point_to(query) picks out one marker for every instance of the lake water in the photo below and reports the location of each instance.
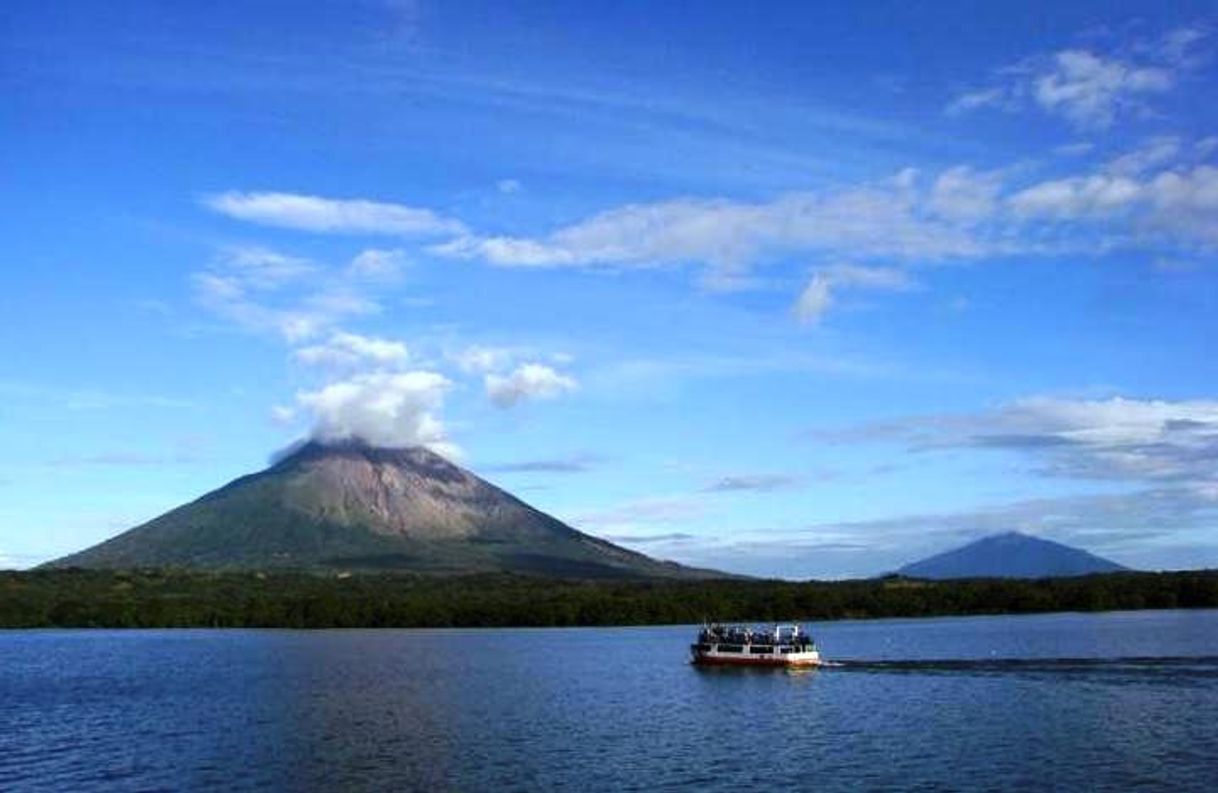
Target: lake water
(1064, 701)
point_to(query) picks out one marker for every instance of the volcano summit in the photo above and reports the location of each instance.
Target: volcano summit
(349, 505)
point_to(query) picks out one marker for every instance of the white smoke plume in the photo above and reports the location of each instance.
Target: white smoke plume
(383, 409)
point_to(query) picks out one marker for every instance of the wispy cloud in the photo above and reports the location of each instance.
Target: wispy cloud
(378, 265)
(350, 350)
(1160, 194)
(527, 382)
(1116, 438)
(819, 295)
(262, 290)
(1090, 90)
(650, 375)
(630, 515)
(1175, 203)
(490, 358)
(482, 359)
(1154, 153)
(882, 220)
(963, 194)
(758, 483)
(574, 464)
(331, 215)
(643, 539)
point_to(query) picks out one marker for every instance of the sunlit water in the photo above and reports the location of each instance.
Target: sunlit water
(1070, 702)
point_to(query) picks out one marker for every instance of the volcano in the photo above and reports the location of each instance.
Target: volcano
(352, 506)
(1010, 555)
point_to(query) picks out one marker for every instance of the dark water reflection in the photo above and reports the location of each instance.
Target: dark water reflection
(1112, 701)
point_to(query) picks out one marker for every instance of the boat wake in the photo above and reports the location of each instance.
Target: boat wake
(1190, 666)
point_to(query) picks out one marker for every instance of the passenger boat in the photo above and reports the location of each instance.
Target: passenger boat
(740, 645)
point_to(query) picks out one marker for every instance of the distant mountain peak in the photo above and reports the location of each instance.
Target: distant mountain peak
(1010, 554)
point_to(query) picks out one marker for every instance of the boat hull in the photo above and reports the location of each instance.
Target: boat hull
(791, 661)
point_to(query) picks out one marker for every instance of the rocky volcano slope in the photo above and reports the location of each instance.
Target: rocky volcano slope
(354, 506)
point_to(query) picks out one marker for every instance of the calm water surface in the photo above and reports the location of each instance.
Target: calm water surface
(1116, 701)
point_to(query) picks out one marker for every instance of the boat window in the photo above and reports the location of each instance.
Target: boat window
(730, 648)
(761, 649)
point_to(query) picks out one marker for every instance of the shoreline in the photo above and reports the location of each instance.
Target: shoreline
(168, 599)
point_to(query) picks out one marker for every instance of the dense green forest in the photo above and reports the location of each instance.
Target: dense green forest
(179, 598)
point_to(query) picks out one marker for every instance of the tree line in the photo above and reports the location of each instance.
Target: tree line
(76, 598)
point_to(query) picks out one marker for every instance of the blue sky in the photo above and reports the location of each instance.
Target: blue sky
(800, 290)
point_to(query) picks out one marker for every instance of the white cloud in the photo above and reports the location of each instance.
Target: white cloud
(573, 464)
(1090, 89)
(1155, 194)
(482, 359)
(328, 215)
(348, 350)
(508, 186)
(672, 537)
(1154, 153)
(337, 300)
(757, 483)
(216, 289)
(1150, 195)
(1181, 202)
(240, 271)
(962, 193)
(264, 291)
(815, 299)
(1076, 149)
(1206, 491)
(881, 220)
(1116, 438)
(1179, 46)
(383, 409)
(262, 268)
(527, 381)
(378, 265)
(1187, 201)
(818, 296)
(886, 278)
(496, 360)
(1076, 196)
(985, 97)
